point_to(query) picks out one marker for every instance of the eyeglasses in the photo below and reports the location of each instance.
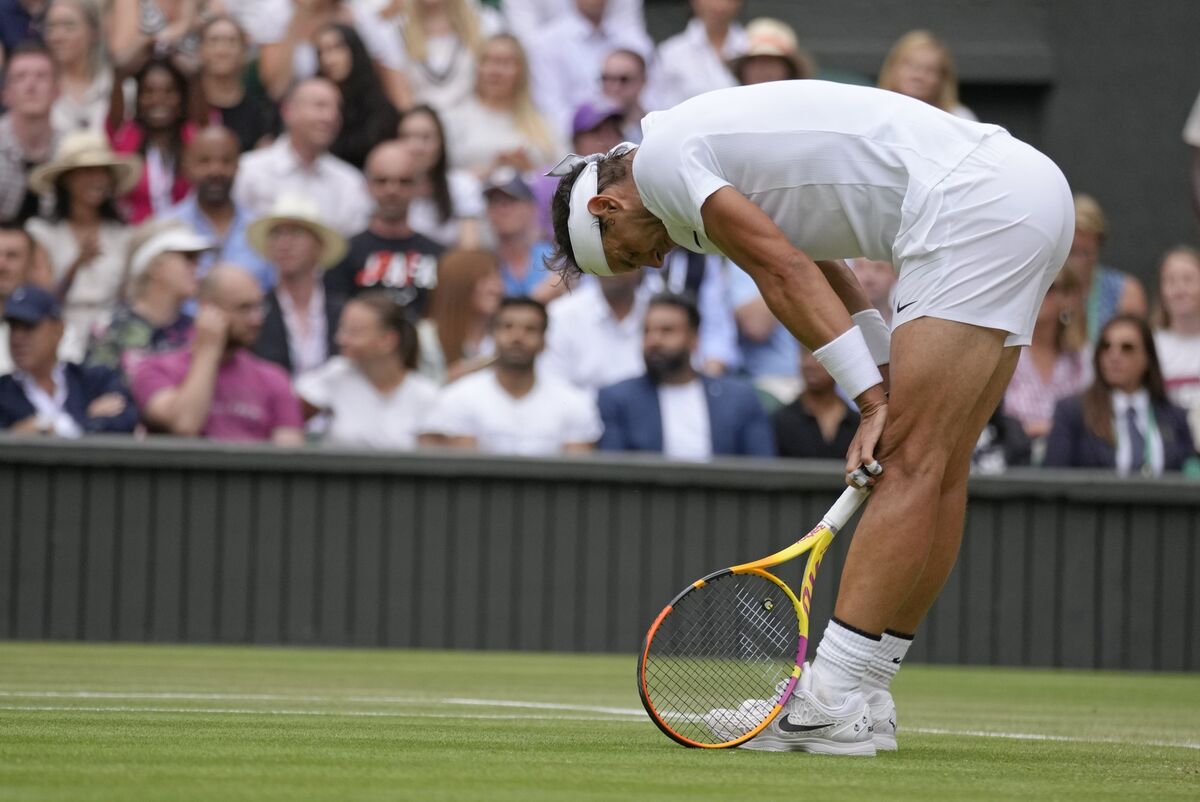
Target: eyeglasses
(611, 78)
(1126, 347)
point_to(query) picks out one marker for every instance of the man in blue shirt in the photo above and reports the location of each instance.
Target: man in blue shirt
(211, 162)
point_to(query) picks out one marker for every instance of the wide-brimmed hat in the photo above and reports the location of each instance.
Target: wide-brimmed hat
(172, 237)
(767, 36)
(302, 211)
(86, 149)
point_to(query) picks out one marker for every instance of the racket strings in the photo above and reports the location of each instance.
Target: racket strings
(714, 666)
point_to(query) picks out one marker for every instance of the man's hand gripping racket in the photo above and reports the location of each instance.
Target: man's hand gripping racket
(722, 658)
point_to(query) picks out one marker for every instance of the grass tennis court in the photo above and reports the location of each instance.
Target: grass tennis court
(93, 722)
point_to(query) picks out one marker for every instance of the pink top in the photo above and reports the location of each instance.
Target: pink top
(253, 397)
(138, 205)
(1029, 399)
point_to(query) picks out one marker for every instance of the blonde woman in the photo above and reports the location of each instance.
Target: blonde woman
(1177, 329)
(76, 43)
(498, 124)
(920, 65)
(442, 40)
(1106, 291)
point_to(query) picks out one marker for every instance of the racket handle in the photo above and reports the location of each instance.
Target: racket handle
(844, 508)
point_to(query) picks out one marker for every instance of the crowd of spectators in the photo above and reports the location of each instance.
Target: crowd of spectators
(325, 221)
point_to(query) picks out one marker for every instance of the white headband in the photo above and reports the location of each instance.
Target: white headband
(583, 227)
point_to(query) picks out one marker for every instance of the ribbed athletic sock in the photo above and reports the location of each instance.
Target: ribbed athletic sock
(841, 661)
(886, 661)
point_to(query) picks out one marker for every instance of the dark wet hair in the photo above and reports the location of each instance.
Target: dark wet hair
(612, 170)
(523, 301)
(679, 301)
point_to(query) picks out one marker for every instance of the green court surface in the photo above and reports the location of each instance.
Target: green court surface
(126, 722)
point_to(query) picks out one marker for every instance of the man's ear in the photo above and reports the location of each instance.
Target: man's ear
(600, 205)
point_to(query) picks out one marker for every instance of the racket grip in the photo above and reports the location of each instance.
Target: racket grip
(844, 508)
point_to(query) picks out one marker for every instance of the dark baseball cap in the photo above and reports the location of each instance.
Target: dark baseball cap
(589, 116)
(510, 182)
(31, 304)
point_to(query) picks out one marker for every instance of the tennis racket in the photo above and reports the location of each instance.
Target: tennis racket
(723, 656)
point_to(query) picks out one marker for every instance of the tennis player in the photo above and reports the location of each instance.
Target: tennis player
(786, 179)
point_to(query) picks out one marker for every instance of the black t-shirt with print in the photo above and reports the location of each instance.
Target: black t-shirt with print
(406, 268)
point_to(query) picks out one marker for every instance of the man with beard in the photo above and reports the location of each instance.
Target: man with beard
(674, 410)
(389, 255)
(217, 388)
(211, 163)
(509, 408)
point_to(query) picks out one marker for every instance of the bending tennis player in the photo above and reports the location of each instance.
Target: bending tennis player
(785, 179)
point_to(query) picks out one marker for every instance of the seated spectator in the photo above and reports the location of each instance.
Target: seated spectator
(623, 84)
(818, 424)
(287, 31)
(448, 204)
(27, 136)
(157, 133)
(299, 162)
(1123, 420)
(16, 267)
(512, 408)
(45, 395)
(85, 242)
(211, 163)
(241, 105)
(877, 280)
(161, 282)
(770, 355)
(456, 337)
(1106, 290)
(372, 391)
(442, 39)
(921, 66)
(673, 410)
(567, 56)
(696, 60)
(389, 255)
(75, 39)
(499, 125)
(612, 312)
(216, 388)
(705, 277)
(140, 29)
(300, 318)
(772, 53)
(1057, 364)
(512, 215)
(1177, 337)
(368, 117)
(528, 18)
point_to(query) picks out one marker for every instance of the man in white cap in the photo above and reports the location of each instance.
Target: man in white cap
(786, 179)
(301, 317)
(160, 282)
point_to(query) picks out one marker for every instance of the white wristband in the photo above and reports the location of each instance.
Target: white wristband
(876, 333)
(849, 362)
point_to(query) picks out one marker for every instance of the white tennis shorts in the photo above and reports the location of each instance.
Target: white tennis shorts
(988, 242)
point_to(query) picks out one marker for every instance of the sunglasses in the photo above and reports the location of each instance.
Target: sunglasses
(1126, 347)
(610, 78)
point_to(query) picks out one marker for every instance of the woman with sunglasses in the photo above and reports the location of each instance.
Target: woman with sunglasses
(1123, 421)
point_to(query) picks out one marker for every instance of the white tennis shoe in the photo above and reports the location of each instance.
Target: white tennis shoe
(808, 725)
(883, 720)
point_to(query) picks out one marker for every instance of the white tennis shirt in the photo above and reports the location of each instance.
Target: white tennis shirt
(839, 168)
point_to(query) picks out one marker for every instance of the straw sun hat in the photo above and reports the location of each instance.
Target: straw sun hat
(301, 211)
(86, 149)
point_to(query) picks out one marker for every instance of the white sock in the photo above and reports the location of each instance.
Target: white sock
(886, 661)
(841, 661)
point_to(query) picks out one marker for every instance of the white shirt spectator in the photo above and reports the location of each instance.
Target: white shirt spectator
(528, 18)
(362, 416)
(339, 190)
(51, 409)
(585, 343)
(475, 135)
(541, 422)
(268, 22)
(687, 432)
(1179, 357)
(466, 202)
(1191, 129)
(688, 66)
(565, 62)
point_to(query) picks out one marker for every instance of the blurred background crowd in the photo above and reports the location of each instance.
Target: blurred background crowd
(325, 221)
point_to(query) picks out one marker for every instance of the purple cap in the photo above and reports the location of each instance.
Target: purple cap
(589, 116)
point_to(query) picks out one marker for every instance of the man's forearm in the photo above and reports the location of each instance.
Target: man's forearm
(194, 399)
